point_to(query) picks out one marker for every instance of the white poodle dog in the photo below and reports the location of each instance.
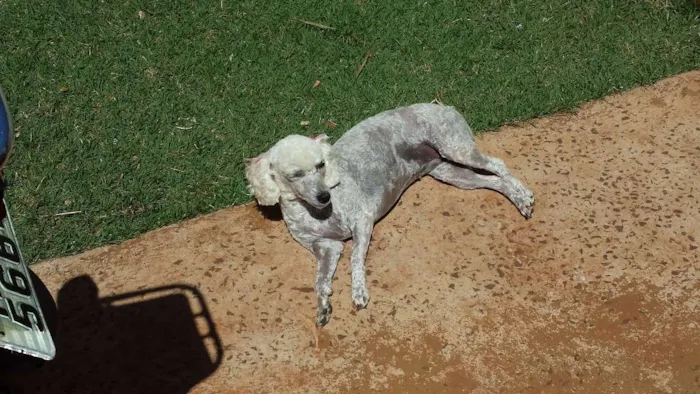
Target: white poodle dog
(331, 193)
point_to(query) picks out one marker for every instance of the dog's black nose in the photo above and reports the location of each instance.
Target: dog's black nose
(323, 197)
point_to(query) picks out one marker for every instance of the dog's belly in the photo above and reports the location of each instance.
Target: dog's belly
(385, 171)
(392, 195)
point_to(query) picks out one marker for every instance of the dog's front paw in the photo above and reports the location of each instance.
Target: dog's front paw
(360, 297)
(323, 314)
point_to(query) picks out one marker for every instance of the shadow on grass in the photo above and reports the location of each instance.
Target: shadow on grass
(159, 340)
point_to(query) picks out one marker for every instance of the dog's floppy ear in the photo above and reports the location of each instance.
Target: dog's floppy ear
(261, 182)
(332, 177)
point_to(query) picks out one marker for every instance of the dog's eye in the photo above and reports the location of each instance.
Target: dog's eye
(298, 174)
(320, 165)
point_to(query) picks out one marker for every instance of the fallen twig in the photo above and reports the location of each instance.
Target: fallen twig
(315, 24)
(68, 213)
(40, 182)
(362, 64)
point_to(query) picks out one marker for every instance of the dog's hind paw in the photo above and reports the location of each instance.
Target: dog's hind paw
(526, 204)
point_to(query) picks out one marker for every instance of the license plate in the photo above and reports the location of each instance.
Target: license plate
(23, 328)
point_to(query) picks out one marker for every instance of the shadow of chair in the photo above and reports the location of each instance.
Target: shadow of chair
(156, 340)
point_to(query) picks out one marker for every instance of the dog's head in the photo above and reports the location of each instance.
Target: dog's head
(296, 167)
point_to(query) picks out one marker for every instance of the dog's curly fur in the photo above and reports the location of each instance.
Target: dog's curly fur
(331, 193)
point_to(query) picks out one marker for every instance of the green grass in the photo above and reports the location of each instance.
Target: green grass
(159, 112)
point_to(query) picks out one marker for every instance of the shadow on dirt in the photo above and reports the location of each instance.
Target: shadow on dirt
(159, 340)
(273, 213)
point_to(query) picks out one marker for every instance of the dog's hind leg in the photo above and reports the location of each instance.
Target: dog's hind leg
(455, 142)
(465, 178)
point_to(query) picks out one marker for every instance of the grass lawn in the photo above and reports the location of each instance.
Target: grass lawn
(138, 113)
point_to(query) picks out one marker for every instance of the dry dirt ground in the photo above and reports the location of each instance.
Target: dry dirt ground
(598, 293)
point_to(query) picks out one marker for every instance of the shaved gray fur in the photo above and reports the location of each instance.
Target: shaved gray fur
(332, 193)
